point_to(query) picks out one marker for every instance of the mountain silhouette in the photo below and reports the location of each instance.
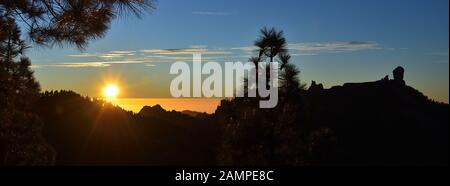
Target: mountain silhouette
(382, 122)
(194, 113)
(148, 111)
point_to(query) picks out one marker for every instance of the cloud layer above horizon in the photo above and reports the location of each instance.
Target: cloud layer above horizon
(149, 57)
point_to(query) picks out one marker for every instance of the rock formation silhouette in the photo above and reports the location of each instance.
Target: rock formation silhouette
(384, 122)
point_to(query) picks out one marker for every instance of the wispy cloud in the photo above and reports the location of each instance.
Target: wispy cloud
(83, 55)
(315, 48)
(199, 46)
(107, 59)
(213, 13)
(246, 49)
(190, 51)
(150, 65)
(109, 55)
(123, 52)
(114, 55)
(304, 54)
(171, 58)
(334, 47)
(72, 65)
(147, 56)
(91, 63)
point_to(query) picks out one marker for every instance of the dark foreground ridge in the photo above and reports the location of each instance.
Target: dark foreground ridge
(384, 122)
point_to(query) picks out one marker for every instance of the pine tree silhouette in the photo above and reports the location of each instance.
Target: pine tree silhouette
(21, 141)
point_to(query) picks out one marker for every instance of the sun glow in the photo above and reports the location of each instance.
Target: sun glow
(110, 91)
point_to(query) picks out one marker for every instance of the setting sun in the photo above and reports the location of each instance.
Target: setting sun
(111, 91)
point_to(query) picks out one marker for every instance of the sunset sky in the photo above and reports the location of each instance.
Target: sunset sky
(331, 41)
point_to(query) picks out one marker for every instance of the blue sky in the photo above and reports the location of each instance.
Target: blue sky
(332, 41)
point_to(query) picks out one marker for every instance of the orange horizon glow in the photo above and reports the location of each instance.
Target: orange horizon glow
(178, 104)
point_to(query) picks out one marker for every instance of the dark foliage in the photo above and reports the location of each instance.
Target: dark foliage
(69, 21)
(271, 43)
(21, 142)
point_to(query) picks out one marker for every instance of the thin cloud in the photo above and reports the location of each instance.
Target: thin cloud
(110, 58)
(123, 52)
(73, 65)
(315, 48)
(246, 49)
(185, 51)
(150, 65)
(304, 54)
(83, 55)
(115, 55)
(212, 13)
(199, 46)
(112, 54)
(171, 58)
(91, 64)
(334, 47)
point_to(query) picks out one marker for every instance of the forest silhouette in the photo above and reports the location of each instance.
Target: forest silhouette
(384, 122)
